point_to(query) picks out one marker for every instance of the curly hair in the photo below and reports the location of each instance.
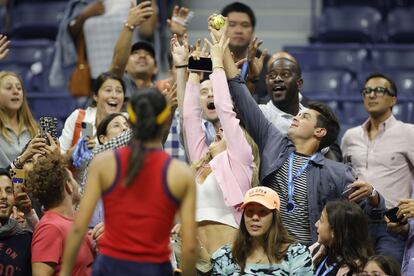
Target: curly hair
(47, 180)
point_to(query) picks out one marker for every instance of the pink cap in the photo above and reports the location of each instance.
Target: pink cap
(262, 195)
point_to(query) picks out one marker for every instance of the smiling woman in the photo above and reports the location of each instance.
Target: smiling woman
(17, 125)
(108, 98)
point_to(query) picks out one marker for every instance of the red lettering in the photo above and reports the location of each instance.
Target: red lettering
(9, 251)
(9, 270)
(13, 255)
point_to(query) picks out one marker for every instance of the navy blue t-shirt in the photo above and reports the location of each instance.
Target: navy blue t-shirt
(15, 254)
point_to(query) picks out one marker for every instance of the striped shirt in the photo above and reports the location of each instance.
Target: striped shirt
(297, 221)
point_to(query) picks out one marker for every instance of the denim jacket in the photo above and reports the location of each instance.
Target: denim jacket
(327, 179)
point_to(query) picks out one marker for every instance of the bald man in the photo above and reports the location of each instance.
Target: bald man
(284, 82)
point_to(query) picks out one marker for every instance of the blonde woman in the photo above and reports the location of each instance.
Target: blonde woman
(226, 168)
(17, 125)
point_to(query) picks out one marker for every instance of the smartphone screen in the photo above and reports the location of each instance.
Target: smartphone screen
(201, 65)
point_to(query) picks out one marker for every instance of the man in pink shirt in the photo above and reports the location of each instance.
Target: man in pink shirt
(381, 152)
(53, 185)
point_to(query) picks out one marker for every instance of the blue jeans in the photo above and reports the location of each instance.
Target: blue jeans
(386, 243)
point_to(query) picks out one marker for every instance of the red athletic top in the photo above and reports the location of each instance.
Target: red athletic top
(139, 218)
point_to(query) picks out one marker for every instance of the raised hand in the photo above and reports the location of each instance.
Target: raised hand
(362, 190)
(179, 20)
(179, 51)
(170, 93)
(140, 13)
(255, 63)
(4, 46)
(217, 49)
(53, 148)
(213, 31)
(406, 209)
(199, 52)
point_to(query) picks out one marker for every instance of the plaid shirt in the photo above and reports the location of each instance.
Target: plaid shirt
(173, 145)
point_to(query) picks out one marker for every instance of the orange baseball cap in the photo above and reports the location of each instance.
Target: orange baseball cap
(262, 195)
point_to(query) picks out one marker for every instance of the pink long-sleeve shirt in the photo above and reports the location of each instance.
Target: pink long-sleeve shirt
(233, 168)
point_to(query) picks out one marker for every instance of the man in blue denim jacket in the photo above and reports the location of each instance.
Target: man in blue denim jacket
(293, 166)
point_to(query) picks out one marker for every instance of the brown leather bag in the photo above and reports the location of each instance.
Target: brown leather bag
(80, 80)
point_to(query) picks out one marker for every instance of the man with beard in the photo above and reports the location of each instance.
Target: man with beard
(242, 22)
(135, 63)
(14, 242)
(56, 189)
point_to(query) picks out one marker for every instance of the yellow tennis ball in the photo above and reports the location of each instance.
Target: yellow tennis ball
(218, 22)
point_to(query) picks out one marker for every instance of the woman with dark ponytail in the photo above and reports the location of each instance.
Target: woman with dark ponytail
(142, 187)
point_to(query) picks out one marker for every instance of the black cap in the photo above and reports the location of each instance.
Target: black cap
(144, 45)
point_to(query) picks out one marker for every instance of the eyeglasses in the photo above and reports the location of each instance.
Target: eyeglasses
(378, 91)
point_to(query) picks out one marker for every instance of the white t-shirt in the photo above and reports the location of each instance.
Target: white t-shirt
(65, 139)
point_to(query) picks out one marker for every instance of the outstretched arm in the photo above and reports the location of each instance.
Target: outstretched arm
(137, 15)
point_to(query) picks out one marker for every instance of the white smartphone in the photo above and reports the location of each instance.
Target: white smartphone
(87, 129)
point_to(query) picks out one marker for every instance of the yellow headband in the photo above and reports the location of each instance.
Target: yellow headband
(131, 113)
(160, 119)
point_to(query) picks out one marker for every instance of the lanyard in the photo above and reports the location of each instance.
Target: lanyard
(290, 206)
(329, 269)
(244, 68)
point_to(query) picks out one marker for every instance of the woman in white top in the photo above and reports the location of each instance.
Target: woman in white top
(109, 94)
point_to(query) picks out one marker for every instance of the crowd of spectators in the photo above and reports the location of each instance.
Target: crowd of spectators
(227, 170)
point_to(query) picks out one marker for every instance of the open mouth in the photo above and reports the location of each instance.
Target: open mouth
(112, 104)
(211, 106)
(279, 88)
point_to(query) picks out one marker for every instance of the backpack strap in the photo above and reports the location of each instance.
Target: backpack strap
(78, 126)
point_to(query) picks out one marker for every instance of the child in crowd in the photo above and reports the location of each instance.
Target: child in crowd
(381, 266)
(343, 245)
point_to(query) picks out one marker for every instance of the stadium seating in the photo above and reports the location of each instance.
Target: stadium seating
(393, 56)
(326, 83)
(37, 20)
(349, 57)
(400, 24)
(359, 24)
(30, 59)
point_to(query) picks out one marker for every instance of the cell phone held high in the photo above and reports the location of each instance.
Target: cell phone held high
(48, 125)
(201, 65)
(87, 129)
